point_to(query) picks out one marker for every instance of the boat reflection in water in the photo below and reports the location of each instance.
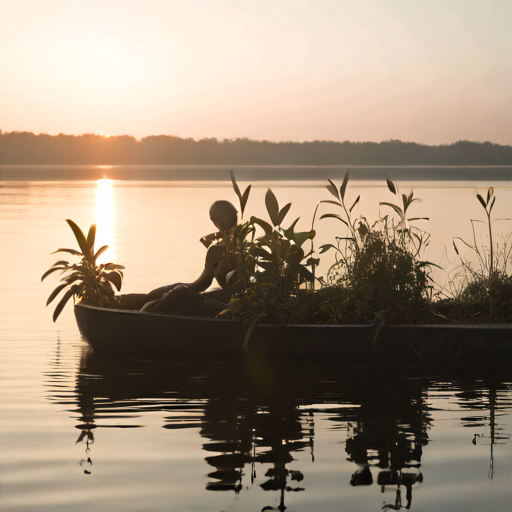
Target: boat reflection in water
(257, 418)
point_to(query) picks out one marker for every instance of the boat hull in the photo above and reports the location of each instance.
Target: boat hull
(122, 332)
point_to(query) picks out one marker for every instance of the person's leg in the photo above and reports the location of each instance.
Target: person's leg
(137, 301)
(170, 301)
(219, 294)
(131, 300)
(181, 300)
(158, 293)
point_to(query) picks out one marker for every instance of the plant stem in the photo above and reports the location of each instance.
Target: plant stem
(491, 266)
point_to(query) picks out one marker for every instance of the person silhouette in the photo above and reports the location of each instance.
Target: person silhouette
(188, 297)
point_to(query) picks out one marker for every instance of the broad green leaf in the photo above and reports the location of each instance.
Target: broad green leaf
(56, 292)
(265, 225)
(404, 202)
(100, 251)
(288, 233)
(330, 202)
(272, 207)
(391, 186)
(80, 238)
(91, 237)
(490, 193)
(114, 277)
(343, 187)
(410, 199)
(313, 262)
(235, 186)
(481, 199)
(63, 302)
(114, 266)
(76, 276)
(300, 237)
(245, 197)
(326, 247)
(282, 213)
(70, 251)
(60, 263)
(355, 202)
(50, 271)
(334, 216)
(333, 189)
(418, 218)
(396, 208)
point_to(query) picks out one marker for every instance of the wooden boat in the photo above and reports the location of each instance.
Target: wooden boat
(126, 332)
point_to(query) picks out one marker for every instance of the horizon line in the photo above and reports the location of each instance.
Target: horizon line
(225, 139)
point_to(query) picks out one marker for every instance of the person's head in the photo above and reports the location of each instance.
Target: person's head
(224, 215)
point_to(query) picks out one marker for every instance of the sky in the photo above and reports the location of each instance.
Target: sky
(428, 71)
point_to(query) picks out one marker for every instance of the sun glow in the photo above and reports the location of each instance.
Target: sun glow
(105, 220)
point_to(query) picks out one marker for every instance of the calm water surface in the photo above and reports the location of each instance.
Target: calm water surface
(79, 432)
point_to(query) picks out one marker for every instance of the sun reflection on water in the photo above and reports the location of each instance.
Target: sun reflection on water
(105, 220)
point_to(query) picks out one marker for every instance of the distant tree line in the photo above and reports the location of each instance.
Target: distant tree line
(91, 149)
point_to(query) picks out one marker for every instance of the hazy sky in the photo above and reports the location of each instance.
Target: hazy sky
(418, 70)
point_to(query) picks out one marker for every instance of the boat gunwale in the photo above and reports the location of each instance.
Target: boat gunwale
(503, 326)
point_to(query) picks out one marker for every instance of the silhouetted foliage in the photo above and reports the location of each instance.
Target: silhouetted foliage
(91, 149)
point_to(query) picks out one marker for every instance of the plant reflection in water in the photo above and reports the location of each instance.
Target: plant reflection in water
(485, 400)
(256, 417)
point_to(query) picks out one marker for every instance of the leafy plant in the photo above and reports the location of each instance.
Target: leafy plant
(485, 289)
(417, 237)
(243, 198)
(352, 225)
(357, 228)
(375, 266)
(385, 280)
(485, 256)
(88, 282)
(269, 267)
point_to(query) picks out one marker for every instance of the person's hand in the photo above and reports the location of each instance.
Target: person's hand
(209, 239)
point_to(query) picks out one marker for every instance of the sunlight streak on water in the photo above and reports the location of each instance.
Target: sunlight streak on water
(105, 220)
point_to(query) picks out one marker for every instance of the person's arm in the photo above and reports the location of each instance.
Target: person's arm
(213, 257)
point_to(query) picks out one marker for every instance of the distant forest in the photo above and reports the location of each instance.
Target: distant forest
(91, 149)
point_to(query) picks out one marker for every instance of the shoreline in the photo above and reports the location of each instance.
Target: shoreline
(48, 172)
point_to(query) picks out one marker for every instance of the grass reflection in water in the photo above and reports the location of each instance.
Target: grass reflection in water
(260, 421)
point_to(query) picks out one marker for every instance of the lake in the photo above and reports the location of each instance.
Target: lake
(80, 432)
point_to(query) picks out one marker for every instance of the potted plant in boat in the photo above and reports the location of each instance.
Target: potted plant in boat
(86, 281)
